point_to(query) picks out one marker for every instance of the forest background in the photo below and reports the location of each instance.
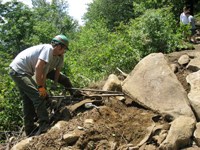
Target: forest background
(116, 33)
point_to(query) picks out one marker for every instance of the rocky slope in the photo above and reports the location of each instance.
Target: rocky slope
(129, 122)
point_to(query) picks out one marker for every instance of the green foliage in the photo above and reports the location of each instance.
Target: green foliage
(141, 6)
(97, 51)
(51, 20)
(155, 31)
(17, 26)
(10, 103)
(86, 44)
(10, 108)
(112, 11)
(23, 27)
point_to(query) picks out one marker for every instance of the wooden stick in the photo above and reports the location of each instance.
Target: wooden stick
(124, 74)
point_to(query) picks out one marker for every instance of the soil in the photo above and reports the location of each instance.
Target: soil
(117, 124)
(114, 122)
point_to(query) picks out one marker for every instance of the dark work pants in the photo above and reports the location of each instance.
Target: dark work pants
(33, 104)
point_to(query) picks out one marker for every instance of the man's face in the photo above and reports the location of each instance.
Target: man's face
(60, 50)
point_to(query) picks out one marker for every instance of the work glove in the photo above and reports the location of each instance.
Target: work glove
(42, 92)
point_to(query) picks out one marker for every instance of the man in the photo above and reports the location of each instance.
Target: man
(41, 61)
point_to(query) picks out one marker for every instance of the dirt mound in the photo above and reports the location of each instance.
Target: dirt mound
(114, 122)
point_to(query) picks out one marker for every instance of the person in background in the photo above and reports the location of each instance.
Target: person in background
(184, 16)
(187, 19)
(41, 61)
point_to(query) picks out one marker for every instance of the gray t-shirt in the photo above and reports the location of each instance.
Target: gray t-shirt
(26, 60)
(57, 62)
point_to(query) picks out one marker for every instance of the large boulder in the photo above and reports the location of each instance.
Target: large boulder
(153, 85)
(194, 95)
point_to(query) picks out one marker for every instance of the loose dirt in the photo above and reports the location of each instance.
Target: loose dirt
(115, 125)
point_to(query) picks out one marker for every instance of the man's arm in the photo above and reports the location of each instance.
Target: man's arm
(40, 73)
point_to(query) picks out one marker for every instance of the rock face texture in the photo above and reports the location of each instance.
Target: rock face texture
(154, 85)
(194, 80)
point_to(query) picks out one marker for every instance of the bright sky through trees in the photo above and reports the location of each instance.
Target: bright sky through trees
(76, 8)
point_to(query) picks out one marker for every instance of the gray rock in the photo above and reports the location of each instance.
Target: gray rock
(180, 134)
(153, 85)
(184, 59)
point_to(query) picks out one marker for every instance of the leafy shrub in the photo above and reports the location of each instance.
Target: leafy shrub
(155, 31)
(96, 52)
(10, 103)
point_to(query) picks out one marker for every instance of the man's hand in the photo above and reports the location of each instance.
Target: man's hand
(42, 92)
